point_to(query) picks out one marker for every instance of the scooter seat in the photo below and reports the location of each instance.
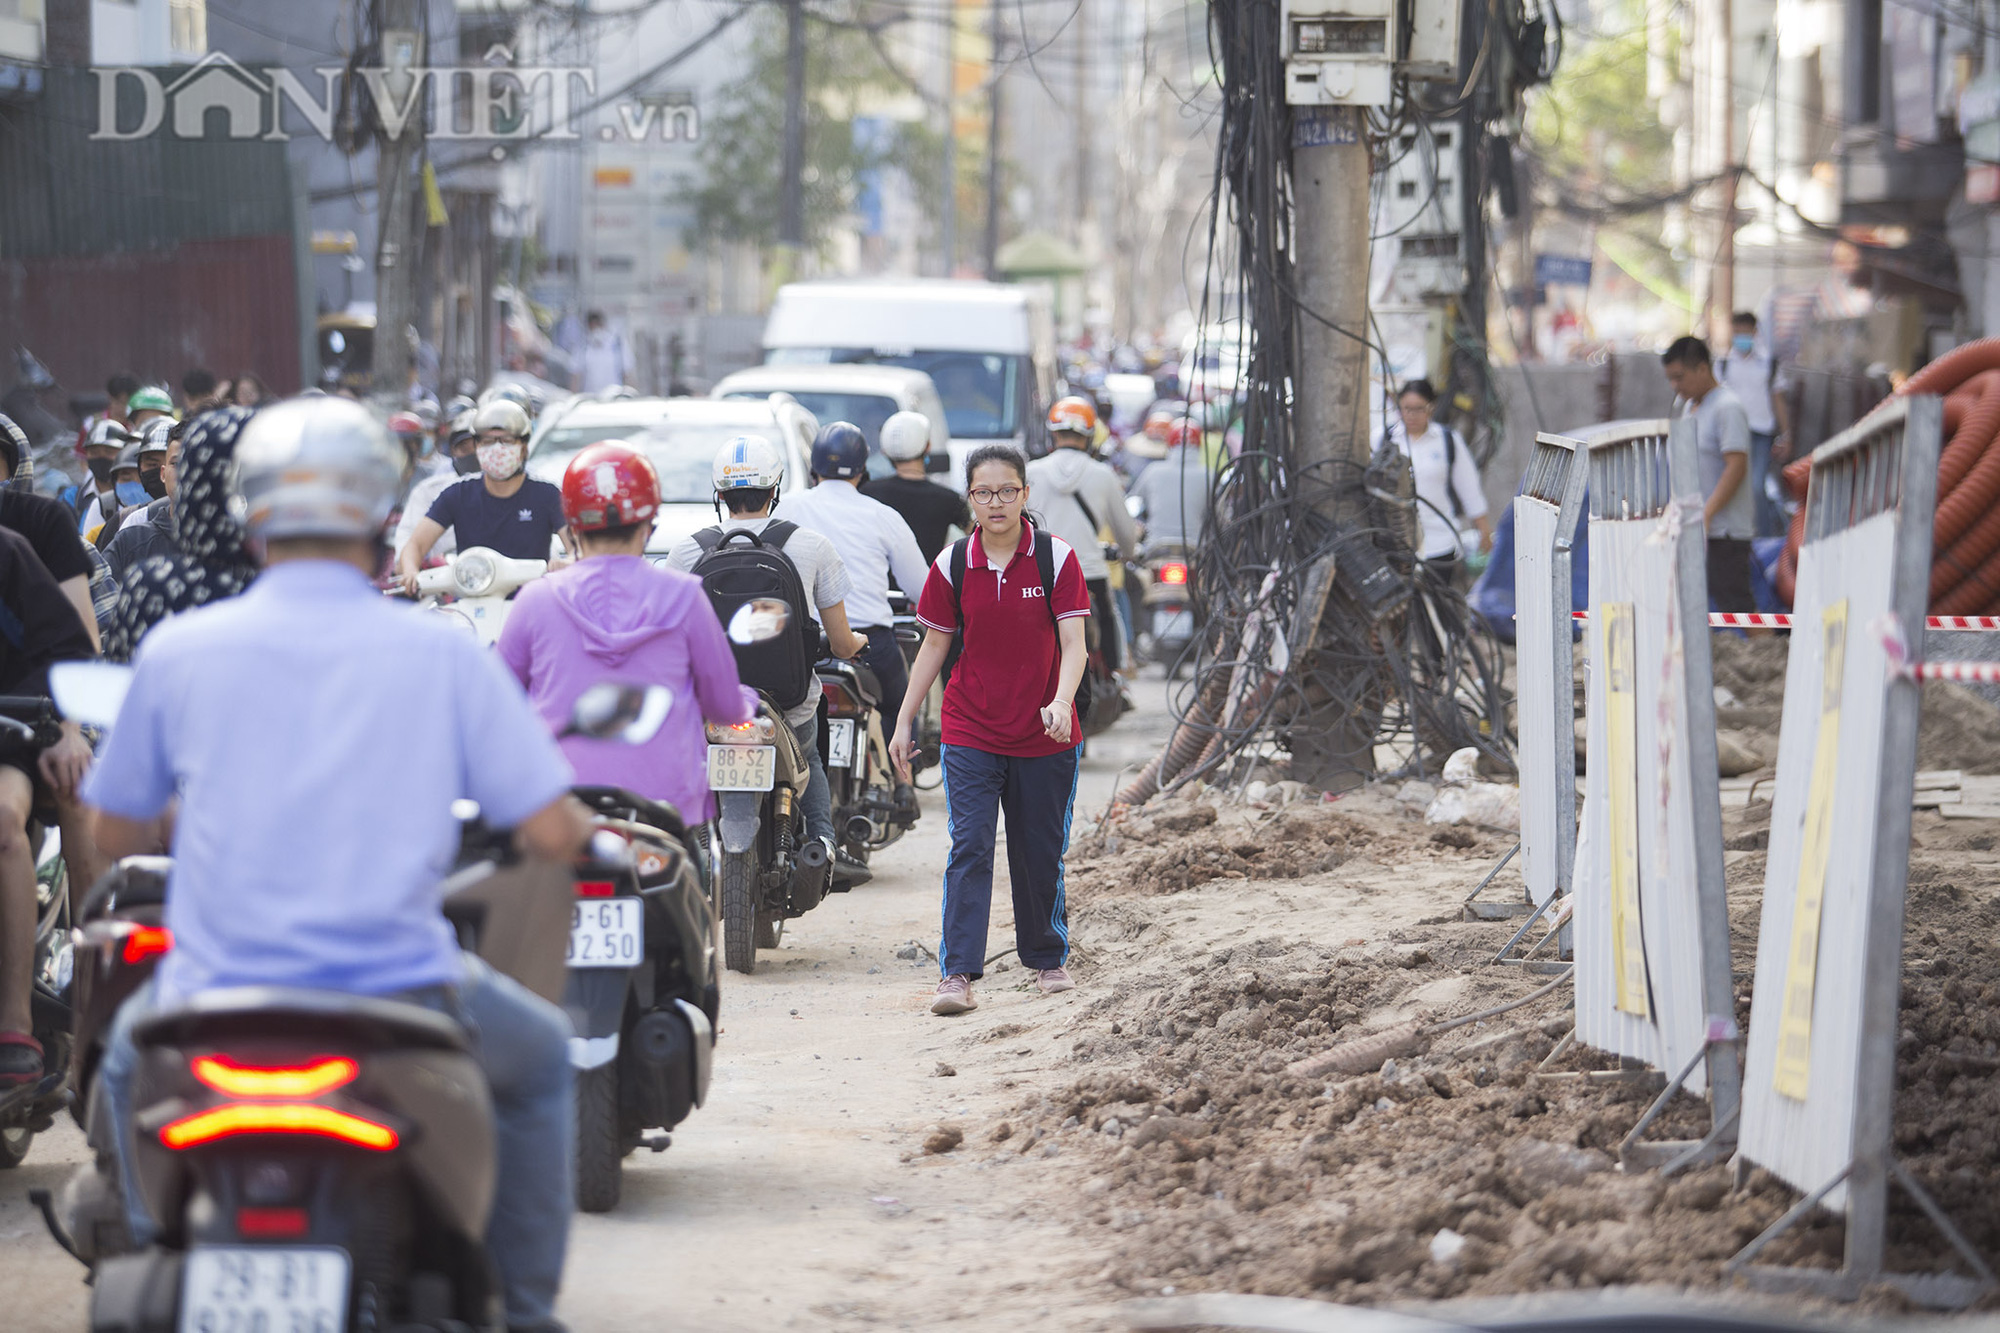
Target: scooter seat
(869, 683)
(290, 1013)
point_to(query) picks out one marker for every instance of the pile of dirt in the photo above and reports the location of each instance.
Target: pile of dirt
(1166, 846)
(1473, 1168)
(1960, 729)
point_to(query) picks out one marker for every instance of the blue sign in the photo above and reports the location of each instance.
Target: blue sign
(1561, 268)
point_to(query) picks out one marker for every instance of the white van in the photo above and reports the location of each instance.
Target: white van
(864, 395)
(989, 348)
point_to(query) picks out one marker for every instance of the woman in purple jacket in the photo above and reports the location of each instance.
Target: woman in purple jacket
(613, 616)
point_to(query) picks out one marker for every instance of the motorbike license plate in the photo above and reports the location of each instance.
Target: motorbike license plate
(1173, 624)
(742, 767)
(606, 932)
(284, 1290)
(840, 743)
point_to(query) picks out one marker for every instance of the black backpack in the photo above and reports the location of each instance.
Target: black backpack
(742, 566)
(1045, 565)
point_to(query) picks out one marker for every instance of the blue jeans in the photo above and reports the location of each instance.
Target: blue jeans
(1037, 795)
(1770, 517)
(522, 1043)
(817, 803)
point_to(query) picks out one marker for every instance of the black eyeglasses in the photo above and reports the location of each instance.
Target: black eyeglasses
(986, 495)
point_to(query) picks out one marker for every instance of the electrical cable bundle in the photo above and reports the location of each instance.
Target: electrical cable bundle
(1313, 634)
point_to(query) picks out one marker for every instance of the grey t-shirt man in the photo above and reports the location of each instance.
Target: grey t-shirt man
(1722, 427)
(821, 573)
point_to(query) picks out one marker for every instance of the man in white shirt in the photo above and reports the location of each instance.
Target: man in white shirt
(606, 362)
(873, 541)
(1722, 452)
(1751, 373)
(1447, 480)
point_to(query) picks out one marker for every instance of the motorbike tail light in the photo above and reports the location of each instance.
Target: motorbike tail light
(595, 888)
(757, 731)
(145, 942)
(306, 1080)
(272, 1223)
(839, 703)
(304, 1118)
(1173, 571)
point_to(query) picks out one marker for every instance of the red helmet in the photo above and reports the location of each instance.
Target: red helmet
(1073, 414)
(406, 423)
(609, 485)
(1184, 431)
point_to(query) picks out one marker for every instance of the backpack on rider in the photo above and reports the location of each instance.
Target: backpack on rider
(739, 566)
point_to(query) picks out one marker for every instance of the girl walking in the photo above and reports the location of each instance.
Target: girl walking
(1017, 597)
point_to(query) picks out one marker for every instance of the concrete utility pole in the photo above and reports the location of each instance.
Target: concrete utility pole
(1330, 176)
(948, 204)
(1724, 282)
(991, 252)
(792, 155)
(401, 25)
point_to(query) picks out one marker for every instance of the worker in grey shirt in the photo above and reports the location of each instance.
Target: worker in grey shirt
(1722, 450)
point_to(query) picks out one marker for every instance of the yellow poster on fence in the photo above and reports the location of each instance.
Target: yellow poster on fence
(1621, 727)
(1795, 1019)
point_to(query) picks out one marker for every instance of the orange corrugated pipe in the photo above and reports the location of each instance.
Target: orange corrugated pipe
(1786, 580)
(1971, 417)
(1955, 368)
(1976, 595)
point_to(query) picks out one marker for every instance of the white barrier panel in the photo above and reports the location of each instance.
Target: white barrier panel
(1819, 1088)
(1545, 514)
(1652, 923)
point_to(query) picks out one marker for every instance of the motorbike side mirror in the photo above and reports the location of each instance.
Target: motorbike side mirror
(629, 713)
(759, 621)
(1135, 506)
(89, 692)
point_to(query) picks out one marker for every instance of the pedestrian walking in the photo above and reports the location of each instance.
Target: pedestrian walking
(1015, 595)
(1722, 452)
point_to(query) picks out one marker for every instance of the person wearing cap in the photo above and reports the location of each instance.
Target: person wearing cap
(614, 615)
(128, 493)
(931, 510)
(401, 717)
(501, 509)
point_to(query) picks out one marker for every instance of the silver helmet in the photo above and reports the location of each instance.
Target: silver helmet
(503, 414)
(316, 467)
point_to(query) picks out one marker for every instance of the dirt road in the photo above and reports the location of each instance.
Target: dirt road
(800, 1196)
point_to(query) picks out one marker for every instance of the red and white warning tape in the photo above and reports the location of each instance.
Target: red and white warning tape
(1984, 673)
(1761, 620)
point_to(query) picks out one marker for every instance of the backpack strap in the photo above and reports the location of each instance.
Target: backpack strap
(958, 582)
(1045, 565)
(1451, 467)
(776, 533)
(708, 539)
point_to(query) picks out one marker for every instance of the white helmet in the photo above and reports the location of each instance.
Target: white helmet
(317, 467)
(502, 414)
(906, 437)
(748, 463)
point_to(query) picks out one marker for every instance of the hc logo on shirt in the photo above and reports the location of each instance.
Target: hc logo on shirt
(1032, 590)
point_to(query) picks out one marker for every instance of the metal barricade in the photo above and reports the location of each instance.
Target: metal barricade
(1545, 514)
(1820, 1078)
(1651, 919)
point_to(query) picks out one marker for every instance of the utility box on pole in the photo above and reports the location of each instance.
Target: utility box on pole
(1348, 52)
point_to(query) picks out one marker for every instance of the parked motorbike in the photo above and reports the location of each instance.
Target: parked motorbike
(29, 725)
(475, 586)
(766, 870)
(318, 1161)
(927, 754)
(643, 992)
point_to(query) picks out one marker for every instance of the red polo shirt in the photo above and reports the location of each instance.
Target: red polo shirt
(1011, 659)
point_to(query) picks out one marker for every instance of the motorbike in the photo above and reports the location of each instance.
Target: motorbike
(318, 1160)
(642, 988)
(765, 870)
(29, 725)
(1166, 624)
(866, 814)
(474, 587)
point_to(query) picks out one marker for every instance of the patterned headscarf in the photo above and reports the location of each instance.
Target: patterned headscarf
(213, 562)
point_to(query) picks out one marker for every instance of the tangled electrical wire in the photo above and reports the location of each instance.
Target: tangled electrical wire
(1321, 638)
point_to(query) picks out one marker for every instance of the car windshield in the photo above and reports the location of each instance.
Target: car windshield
(683, 454)
(981, 390)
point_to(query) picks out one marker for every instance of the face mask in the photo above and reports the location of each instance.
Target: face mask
(155, 484)
(501, 459)
(465, 464)
(100, 472)
(132, 493)
(1743, 343)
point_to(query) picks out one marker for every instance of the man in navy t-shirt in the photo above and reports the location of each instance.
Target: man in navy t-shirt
(500, 509)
